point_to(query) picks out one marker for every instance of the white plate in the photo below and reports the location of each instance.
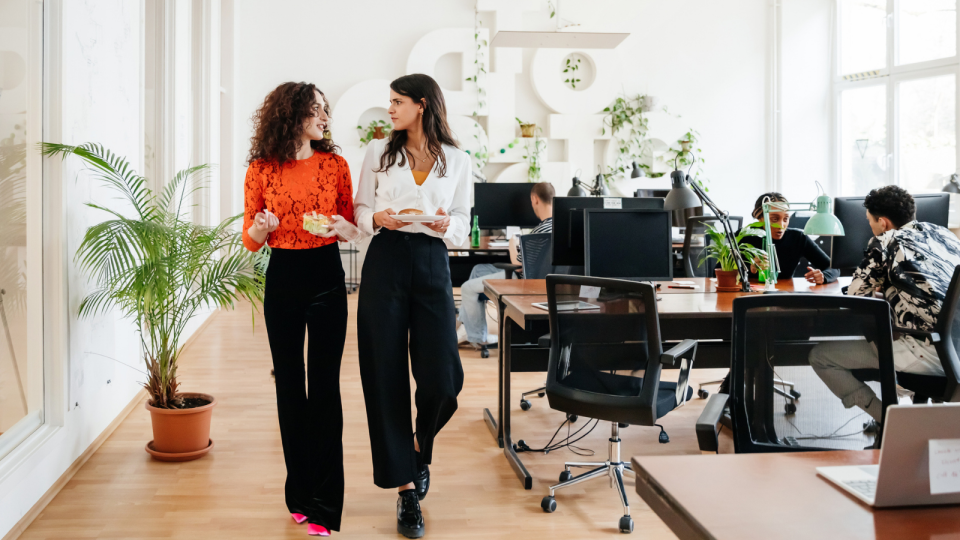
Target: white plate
(412, 218)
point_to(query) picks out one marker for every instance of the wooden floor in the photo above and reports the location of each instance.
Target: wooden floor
(237, 490)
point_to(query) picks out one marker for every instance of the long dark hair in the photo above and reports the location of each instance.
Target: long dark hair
(278, 123)
(421, 89)
(758, 206)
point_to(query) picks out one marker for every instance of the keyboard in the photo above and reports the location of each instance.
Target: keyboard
(867, 488)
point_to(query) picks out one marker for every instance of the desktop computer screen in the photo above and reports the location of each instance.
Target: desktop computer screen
(504, 205)
(628, 244)
(848, 249)
(567, 238)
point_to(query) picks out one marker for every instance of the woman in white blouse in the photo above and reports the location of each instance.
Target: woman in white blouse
(407, 291)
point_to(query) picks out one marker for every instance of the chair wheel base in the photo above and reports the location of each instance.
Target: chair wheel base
(790, 408)
(703, 394)
(525, 405)
(572, 418)
(541, 394)
(484, 353)
(794, 393)
(626, 524)
(549, 505)
(566, 476)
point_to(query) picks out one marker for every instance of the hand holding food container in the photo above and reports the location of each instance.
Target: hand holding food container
(329, 227)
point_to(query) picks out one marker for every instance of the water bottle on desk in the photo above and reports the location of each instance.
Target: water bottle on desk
(475, 233)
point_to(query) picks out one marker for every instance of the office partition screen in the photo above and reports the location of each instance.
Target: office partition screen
(628, 244)
(504, 205)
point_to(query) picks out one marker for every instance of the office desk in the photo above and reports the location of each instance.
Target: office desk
(463, 259)
(701, 314)
(762, 496)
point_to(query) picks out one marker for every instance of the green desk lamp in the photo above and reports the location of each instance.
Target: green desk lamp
(823, 223)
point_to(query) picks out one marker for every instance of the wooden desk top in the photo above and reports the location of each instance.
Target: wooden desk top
(763, 496)
(484, 246)
(518, 295)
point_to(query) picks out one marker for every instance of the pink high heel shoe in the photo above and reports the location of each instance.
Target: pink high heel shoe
(299, 518)
(317, 530)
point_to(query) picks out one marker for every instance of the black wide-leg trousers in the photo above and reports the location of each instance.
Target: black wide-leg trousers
(406, 293)
(305, 292)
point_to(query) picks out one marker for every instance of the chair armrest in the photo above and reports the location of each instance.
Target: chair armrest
(708, 425)
(670, 357)
(507, 266)
(932, 336)
(544, 341)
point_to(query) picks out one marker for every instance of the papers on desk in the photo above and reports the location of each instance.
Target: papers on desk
(498, 243)
(944, 466)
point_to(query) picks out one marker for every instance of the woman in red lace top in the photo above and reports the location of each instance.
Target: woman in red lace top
(294, 171)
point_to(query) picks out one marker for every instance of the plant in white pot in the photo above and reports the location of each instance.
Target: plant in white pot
(159, 268)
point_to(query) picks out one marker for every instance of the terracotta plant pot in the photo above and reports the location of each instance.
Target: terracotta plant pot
(727, 280)
(181, 434)
(378, 133)
(528, 130)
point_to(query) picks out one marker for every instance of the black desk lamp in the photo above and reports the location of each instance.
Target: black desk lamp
(953, 186)
(687, 193)
(579, 189)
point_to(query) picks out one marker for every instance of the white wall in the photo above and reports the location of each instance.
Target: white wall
(705, 60)
(100, 88)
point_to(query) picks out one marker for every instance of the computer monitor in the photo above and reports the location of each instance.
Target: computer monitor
(628, 244)
(504, 205)
(567, 241)
(848, 249)
(662, 193)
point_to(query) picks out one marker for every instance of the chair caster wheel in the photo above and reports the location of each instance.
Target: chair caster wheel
(549, 505)
(794, 393)
(572, 418)
(566, 476)
(484, 353)
(525, 405)
(626, 524)
(790, 408)
(541, 394)
(702, 394)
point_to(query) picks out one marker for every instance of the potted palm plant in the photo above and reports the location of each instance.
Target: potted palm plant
(158, 268)
(718, 249)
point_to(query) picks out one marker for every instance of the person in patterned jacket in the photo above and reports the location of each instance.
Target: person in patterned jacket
(911, 264)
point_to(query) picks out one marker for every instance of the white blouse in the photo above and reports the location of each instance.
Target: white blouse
(396, 188)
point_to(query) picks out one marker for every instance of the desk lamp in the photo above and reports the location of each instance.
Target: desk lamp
(823, 223)
(687, 193)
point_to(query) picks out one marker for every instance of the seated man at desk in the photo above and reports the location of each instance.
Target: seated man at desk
(912, 264)
(472, 310)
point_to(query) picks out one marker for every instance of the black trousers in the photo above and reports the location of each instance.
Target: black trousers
(406, 292)
(305, 292)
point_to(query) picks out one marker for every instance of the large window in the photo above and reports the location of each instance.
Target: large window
(897, 94)
(21, 293)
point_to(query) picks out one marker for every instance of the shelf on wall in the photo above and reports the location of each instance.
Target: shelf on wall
(557, 40)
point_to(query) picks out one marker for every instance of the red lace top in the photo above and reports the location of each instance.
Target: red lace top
(320, 183)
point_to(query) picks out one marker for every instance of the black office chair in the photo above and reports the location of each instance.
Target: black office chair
(537, 264)
(946, 340)
(586, 346)
(697, 226)
(772, 332)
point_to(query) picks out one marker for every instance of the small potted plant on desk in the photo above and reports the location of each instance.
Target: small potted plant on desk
(158, 268)
(718, 249)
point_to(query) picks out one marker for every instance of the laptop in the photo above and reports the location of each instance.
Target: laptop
(902, 477)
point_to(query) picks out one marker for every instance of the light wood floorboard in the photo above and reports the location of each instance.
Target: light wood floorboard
(237, 490)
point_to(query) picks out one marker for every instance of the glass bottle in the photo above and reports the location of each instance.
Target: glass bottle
(475, 232)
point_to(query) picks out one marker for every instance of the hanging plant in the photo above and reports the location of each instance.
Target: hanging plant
(481, 156)
(572, 68)
(377, 129)
(628, 127)
(687, 152)
(552, 8)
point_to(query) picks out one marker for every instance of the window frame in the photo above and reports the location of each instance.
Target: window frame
(890, 76)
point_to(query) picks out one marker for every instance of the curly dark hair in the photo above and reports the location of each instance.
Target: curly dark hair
(278, 123)
(893, 203)
(421, 89)
(758, 206)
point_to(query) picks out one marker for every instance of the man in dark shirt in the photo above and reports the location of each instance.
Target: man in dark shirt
(912, 264)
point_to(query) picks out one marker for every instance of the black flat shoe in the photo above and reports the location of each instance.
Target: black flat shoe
(409, 518)
(422, 483)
